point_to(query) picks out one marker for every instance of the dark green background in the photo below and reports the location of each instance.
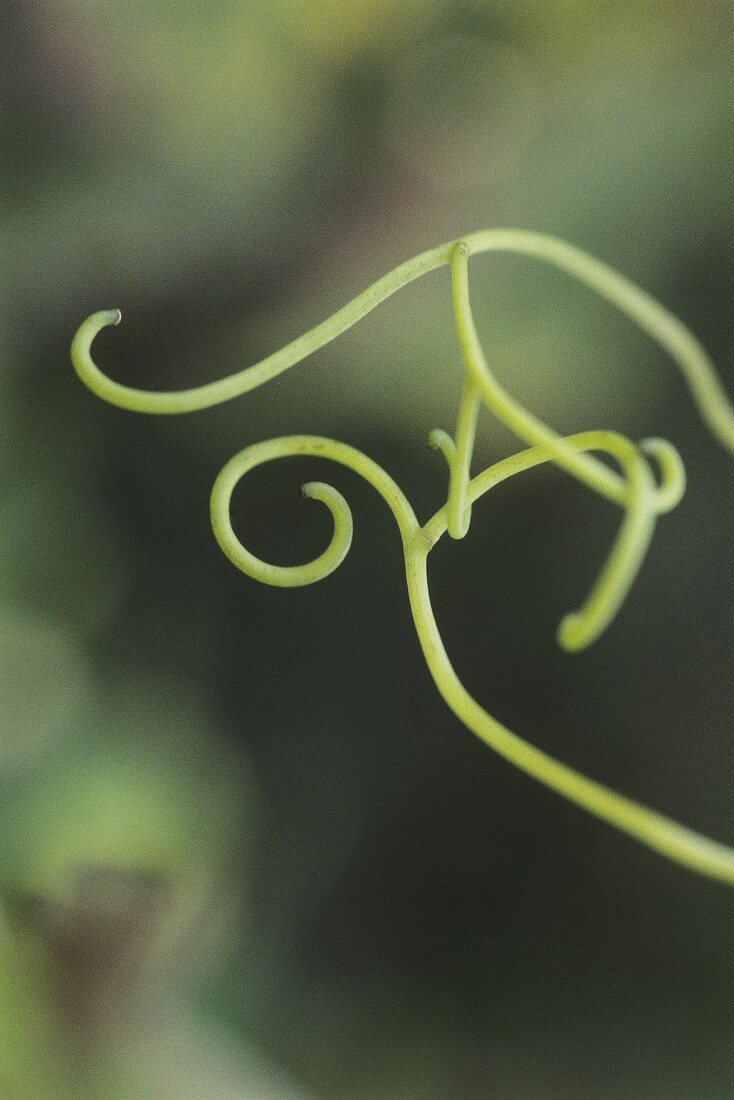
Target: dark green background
(352, 892)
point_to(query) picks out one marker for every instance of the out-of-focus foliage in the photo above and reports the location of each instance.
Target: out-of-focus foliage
(384, 910)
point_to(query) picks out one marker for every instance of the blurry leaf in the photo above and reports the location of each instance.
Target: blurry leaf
(336, 29)
(44, 687)
(141, 788)
(31, 1059)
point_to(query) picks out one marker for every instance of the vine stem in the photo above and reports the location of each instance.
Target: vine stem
(650, 315)
(632, 487)
(677, 842)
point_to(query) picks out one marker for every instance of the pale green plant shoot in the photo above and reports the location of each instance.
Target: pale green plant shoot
(648, 481)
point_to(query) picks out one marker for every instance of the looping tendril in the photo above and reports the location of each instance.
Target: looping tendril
(672, 485)
(281, 576)
(648, 482)
(291, 576)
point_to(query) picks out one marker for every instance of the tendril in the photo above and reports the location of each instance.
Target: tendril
(338, 548)
(644, 502)
(649, 480)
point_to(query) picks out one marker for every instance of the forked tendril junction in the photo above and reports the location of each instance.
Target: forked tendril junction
(648, 481)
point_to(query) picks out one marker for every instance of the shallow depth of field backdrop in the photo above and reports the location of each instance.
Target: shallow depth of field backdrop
(245, 850)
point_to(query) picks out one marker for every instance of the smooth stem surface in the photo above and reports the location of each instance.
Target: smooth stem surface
(460, 461)
(661, 325)
(678, 842)
(633, 488)
(683, 845)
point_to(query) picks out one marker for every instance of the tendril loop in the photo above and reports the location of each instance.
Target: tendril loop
(648, 481)
(282, 576)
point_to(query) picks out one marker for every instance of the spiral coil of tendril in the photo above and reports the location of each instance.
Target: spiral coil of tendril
(649, 481)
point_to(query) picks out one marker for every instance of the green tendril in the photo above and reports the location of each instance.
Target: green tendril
(291, 576)
(632, 486)
(439, 440)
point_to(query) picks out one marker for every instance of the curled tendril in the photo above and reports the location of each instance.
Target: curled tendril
(633, 486)
(291, 576)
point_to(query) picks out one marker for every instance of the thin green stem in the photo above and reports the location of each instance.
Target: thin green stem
(659, 323)
(439, 440)
(527, 426)
(652, 317)
(295, 446)
(633, 488)
(677, 842)
(460, 465)
(612, 443)
(579, 629)
(214, 393)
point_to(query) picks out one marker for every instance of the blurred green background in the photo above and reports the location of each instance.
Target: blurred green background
(245, 850)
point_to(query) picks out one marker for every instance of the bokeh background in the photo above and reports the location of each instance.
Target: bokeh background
(245, 850)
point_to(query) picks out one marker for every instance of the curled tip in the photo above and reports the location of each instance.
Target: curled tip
(672, 484)
(81, 355)
(282, 576)
(573, 634)
(310, 490)
(439, 440)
